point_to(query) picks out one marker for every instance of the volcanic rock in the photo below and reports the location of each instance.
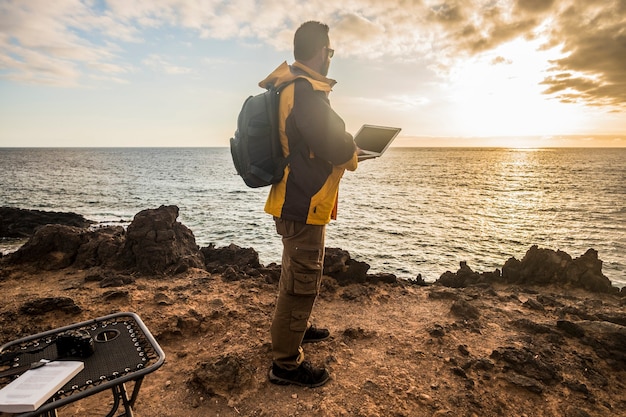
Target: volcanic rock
(231, 255)
(486, 348)
(156, 243)
(101, 247)
(464, 310)
(40, 306)
(539, 267)
(21, 223)
(525, 362)
(463, 277)
(339, 265)
(226, 374)
(545, 266)
(52, 247)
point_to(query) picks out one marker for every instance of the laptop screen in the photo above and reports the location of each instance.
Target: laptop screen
(375, 138)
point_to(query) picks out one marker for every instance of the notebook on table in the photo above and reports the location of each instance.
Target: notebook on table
(374, 140)
(35, 386)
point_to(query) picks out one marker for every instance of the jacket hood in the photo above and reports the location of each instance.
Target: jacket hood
(287, 73)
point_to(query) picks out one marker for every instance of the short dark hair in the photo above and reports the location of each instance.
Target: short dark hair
(310, 37)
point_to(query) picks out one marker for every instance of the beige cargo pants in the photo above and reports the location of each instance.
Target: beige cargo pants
(300, 277)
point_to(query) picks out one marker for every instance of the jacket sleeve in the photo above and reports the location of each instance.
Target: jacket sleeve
(321, 128)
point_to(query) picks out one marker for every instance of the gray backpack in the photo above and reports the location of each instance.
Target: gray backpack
(255, 147)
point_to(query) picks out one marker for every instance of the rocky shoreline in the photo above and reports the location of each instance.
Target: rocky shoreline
(543, 336)
(155, 243)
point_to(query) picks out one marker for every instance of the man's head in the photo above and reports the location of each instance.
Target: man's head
(311, 46)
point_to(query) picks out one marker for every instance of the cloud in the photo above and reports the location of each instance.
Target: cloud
(534, 6)
(593, 39)
(355, 33)
(64, 41)
(44, 42)
(500, 60)
(590, 34)
(476, 27)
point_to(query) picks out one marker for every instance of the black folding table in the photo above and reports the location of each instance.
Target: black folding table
(124, 351)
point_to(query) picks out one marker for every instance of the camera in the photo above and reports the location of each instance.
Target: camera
(75, 343)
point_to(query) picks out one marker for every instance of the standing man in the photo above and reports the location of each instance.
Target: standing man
(306, 198)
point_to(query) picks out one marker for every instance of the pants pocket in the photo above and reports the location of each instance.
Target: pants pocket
(299, 321)
(305, 283)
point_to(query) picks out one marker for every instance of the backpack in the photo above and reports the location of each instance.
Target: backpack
(255, 148)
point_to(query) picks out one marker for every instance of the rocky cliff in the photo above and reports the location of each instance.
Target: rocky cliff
(543, 336)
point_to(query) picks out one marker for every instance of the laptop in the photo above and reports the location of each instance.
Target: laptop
(374, 140)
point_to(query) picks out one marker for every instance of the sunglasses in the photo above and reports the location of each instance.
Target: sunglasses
(331, 52)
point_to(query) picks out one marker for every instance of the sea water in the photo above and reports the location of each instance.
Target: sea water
(412, 211)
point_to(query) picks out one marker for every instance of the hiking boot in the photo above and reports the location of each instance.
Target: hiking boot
(304, 375)
(313, 334)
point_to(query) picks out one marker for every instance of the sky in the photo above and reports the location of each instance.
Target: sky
(513, 73)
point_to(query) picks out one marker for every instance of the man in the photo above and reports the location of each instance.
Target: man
(306, 198)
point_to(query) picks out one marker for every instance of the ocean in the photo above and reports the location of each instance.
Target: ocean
(412, 211)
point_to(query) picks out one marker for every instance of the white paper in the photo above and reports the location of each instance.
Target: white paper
(35, 386)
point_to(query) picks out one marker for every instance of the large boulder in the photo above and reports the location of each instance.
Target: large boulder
(21, 223)
(235, 263)
(52, 247)
(230, 255)
(156, 243)
(55, 246)
(539, 267)
(545, 266)
(586, 272)
(339, 264)
(462, 278)
(102, 248)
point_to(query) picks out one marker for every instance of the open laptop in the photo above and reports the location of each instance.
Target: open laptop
(374, 140)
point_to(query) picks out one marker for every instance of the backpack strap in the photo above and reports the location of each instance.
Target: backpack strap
(275, 95)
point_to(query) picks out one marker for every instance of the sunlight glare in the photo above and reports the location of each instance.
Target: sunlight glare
(499, 93)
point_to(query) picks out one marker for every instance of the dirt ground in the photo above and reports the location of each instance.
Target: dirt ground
(395, 350)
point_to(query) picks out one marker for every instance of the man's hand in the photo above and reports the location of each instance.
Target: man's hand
(362, 156)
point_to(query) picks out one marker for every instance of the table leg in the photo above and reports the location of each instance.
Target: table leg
(136, 388)
(128, 407)
(116, 402)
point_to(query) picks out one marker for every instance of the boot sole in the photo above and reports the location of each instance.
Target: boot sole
(315, 340)
(282, 381)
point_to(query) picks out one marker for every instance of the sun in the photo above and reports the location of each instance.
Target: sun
(500, 94)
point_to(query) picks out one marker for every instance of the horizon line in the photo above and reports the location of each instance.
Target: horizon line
(586, 146)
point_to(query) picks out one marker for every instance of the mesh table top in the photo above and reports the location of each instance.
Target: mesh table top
(123, 350)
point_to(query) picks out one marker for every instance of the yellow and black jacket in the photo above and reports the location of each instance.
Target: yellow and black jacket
(322, 148)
